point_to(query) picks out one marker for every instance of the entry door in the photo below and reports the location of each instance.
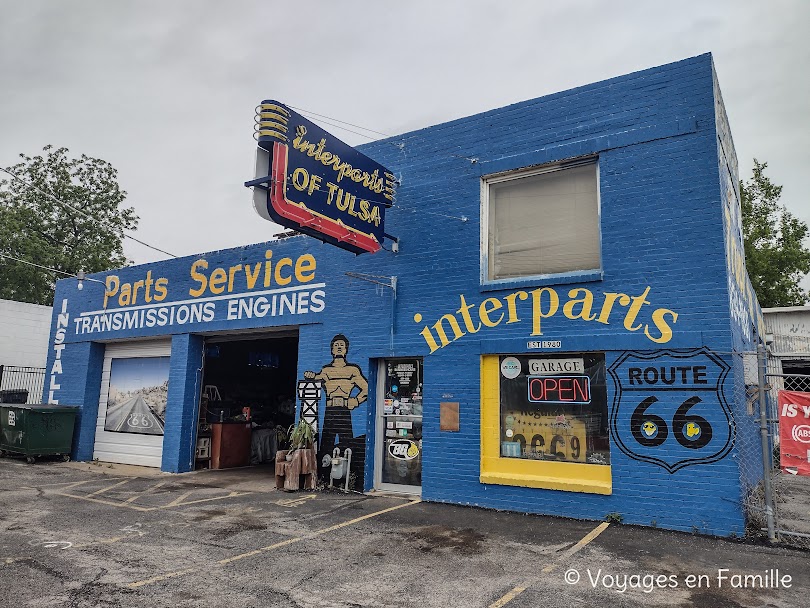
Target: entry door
(399, 426)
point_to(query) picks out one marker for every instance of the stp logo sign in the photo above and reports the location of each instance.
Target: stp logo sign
(669, 408)
(403, 449)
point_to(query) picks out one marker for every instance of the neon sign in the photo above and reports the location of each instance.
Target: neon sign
(559, 389)
(310, 181)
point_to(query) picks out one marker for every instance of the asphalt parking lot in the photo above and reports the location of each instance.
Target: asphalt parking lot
(84, 536)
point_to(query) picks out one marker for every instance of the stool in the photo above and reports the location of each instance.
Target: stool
(304, 464)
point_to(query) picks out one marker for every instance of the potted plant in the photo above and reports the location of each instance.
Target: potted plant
(301, 436)
(300, 462)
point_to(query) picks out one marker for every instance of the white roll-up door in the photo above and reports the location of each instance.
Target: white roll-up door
(133, 434)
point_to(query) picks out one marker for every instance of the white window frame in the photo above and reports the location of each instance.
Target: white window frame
(560, 277)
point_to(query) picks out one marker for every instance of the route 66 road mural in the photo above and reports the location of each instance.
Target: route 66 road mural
(669, 408)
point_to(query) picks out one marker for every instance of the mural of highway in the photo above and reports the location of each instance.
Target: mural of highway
(133, 416)
(136, 400)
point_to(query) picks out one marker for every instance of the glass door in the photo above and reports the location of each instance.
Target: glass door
(399, 426)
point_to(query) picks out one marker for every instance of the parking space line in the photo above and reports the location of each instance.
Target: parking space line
(295, 502)
(284, 543)
(162, 577)
(178, 500)
(76, 484)
(67, 484)
(508, 597)
(111, 503)
(585, 540)
(102, 490)
(128, 504)
(176, 503)
(512, 594)
(351, 522)
(103, 541)
(145, 492)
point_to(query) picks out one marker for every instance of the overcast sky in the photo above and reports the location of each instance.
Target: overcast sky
(165, 91)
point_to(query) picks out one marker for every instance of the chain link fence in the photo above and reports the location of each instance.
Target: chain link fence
(744, 404)
(791, 493)
(777, 503)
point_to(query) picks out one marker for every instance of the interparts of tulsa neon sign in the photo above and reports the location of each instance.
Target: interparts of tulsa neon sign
(308, 180)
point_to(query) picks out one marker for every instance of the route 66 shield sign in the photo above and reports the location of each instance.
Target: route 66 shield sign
(669, 408)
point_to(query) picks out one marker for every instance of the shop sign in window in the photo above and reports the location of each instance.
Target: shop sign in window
(554, 408)
(402, 422)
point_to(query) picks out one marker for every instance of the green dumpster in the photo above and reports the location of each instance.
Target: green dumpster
(37, 430)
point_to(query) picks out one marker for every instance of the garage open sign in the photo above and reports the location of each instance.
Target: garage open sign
(559, 389)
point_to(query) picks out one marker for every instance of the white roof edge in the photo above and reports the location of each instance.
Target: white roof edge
(18, 302)
(787, 309)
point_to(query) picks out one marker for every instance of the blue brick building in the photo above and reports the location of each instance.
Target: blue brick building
(554, 334)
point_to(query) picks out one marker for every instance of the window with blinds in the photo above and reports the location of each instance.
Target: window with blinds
(543, 222)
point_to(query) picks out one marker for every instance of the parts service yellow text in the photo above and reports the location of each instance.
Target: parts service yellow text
(546, 302)
(265, 288)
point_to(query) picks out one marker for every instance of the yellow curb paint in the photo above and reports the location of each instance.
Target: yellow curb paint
(284, 543)
(502, 601)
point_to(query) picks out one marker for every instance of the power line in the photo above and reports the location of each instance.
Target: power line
(81, 211)
(325, 119)
(11, 257)
(331, 124)
(343, 122)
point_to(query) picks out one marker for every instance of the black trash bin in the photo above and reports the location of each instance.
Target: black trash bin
(17, 396)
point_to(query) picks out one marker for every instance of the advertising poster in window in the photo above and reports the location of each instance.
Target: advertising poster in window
(136, 402)
(554, 407)
(402, 422)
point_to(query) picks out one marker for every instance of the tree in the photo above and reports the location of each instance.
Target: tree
(775, 253)
(83, 230)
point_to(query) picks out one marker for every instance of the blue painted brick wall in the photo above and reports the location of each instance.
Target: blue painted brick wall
(185, 378)
(654, 133)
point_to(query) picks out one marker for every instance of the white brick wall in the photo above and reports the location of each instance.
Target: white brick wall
(24, 331)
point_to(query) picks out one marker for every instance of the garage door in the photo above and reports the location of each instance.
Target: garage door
(131, 409)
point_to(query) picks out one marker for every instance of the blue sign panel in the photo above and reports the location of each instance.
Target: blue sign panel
(669, 408)
(310, 181)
